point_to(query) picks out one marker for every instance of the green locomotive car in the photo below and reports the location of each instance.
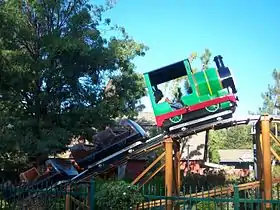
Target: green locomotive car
(210, 96)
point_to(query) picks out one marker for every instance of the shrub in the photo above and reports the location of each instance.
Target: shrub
(117, 195)
(203, 205)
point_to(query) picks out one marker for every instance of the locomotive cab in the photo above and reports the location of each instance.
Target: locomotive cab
(209, 95)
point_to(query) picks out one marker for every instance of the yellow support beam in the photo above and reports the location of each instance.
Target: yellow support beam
(153, 174)
(267, 176)
(275, 138)
(169, 171)
(148, 168)
(274, 154)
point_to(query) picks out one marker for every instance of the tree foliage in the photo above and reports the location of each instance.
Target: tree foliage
(238, 137)
(205, 58)
(271, 105)
(55, 63)
(271, 99)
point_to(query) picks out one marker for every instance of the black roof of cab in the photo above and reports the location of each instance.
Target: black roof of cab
(167, 73)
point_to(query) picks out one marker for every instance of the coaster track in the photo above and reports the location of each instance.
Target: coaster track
(139, 148)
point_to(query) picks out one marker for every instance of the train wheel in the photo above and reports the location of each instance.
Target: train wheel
(213, 108)
(176, 119)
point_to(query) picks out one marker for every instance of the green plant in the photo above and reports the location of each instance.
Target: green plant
(276, 171)
(203, 205)
(118, 195)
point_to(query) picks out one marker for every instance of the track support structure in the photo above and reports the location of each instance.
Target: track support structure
(168, 143)
(263, 157)
(265, 132)
(263, 152)
(171, 168)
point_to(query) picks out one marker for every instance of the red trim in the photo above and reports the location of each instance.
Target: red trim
(160, 119)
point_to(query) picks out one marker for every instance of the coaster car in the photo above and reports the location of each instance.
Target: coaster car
(210, 94)
(108, 142)
(32, 181)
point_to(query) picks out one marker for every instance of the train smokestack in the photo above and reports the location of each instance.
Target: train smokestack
(219, 61)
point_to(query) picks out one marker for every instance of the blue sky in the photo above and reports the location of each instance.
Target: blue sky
(245, 33)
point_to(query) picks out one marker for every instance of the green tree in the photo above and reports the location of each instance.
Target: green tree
(271, 104)
(238, 137)
(55, 63)
(214, 142)
(205, 58)
(271, 99)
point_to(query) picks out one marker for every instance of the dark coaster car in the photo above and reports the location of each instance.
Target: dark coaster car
(108, 142)
(32, 181)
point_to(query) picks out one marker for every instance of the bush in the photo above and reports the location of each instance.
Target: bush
(276, 171)
(203, 205)
(117, 195)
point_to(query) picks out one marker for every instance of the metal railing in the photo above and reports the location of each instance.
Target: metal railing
(82, 196)
(49, 196)
(244, 196)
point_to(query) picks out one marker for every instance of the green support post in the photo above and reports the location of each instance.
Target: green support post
(236, 197)
(92, 194)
